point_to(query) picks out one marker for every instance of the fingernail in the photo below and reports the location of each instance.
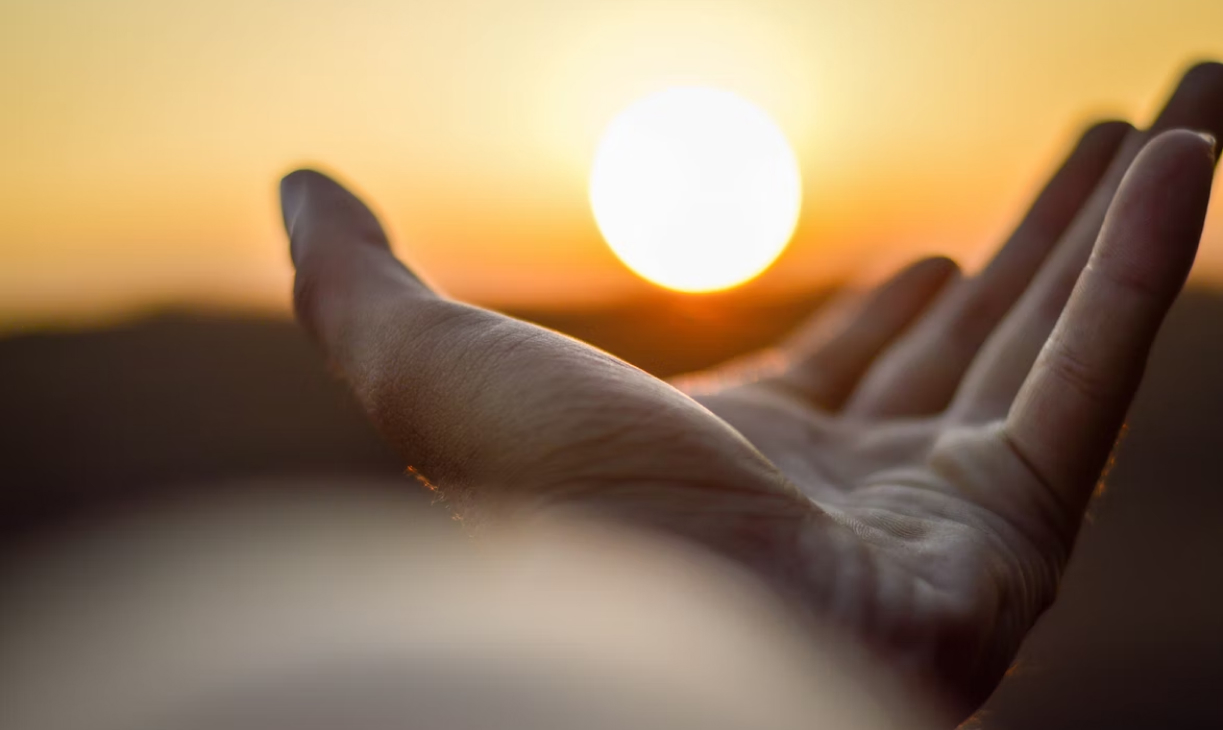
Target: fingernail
(291, 199)
(1210, 141)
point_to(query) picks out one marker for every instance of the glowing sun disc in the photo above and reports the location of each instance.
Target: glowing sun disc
(695, 189)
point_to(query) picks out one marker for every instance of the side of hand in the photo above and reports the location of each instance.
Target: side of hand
(911, 468)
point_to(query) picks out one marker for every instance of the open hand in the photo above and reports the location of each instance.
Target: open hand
(912, 468)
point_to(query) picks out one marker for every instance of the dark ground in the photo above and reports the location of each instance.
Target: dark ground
(98, 420)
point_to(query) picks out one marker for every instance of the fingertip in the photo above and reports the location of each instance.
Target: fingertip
(1173, 171)
(302, 176)
(1106, 132)
(1180, 150)
(941, 262)
(293, 188)
(936, 271)
(1207, 78)
(1197, 101)
(918, 284)
(304, 184)
(1207, 72)
(295, 183)
(319, 211)
(924, 277)
(934, 267)
(1151, 234)
(1098, 144)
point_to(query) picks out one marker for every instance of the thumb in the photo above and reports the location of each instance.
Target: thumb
(484, 405)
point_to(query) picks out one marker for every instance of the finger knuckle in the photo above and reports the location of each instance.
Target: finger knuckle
(1065, 363)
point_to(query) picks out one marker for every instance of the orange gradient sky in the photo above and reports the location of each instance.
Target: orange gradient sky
(142, 139)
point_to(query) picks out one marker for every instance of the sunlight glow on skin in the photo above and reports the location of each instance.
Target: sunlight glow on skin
(695, 189)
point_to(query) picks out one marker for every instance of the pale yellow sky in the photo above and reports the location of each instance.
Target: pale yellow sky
(142, 139)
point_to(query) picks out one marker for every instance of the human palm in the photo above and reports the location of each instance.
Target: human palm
(911, 468)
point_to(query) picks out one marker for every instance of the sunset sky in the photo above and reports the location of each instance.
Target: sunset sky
(142, 140)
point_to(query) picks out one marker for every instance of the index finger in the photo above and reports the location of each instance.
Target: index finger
(1071, 406)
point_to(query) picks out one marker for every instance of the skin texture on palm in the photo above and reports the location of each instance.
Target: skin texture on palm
(913, 472)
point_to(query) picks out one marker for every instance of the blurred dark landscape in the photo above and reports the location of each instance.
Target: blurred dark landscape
(100, 420)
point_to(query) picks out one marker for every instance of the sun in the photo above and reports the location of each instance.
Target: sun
(695, 189)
